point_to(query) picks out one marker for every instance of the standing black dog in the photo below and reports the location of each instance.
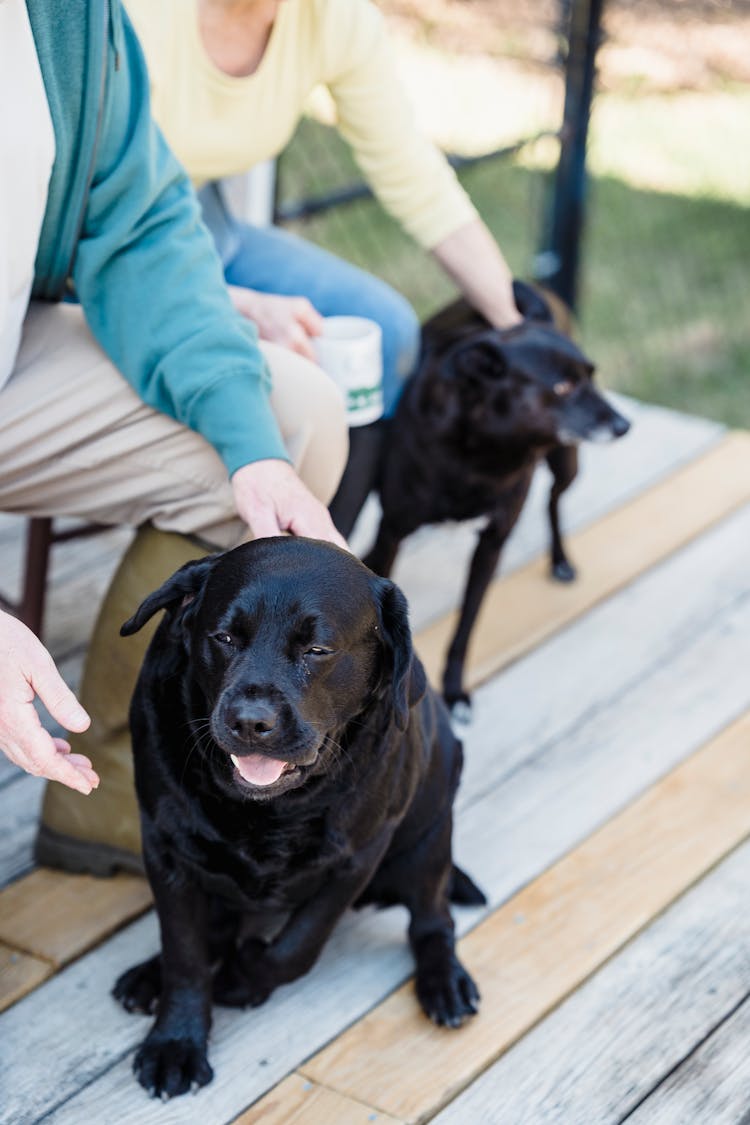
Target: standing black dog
(290, 762)
(481, 410)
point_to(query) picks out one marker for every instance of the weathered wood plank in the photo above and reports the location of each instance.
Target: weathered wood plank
(535, 950)
(525, 607)
(575, 783)
(69, 1029)
(78, 911)
(506, 838)
(19, 973)
(602, 1051)
(712, 1084)
(20, 801)
(296, 1101)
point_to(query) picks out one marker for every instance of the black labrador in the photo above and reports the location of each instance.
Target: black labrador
(290, 762)
(481, 410)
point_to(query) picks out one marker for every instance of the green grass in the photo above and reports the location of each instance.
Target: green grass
(665, 283)
(666, 298)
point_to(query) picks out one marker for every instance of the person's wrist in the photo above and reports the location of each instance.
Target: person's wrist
(507, 320)
(258, 468)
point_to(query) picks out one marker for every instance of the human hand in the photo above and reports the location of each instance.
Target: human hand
(272, 499)
(289, 321)
(28, 670)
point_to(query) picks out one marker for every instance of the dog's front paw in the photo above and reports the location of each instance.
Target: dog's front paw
(447, 993)
(459, 706)
(139, 989)
(562, 571)
(168, 1067)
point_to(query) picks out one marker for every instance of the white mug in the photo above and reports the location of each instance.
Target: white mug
(350, 350)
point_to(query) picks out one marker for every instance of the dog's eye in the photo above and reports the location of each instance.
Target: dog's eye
(318, 650)
(222, 638)
(563, 387)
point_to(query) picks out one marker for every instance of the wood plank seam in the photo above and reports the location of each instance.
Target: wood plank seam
(20, 973)
(694, 1051)
(282, 1105)
(710, 1085)
(83, 910)
(653, 851)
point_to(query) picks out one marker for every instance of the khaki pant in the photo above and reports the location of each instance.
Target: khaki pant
(76, 440)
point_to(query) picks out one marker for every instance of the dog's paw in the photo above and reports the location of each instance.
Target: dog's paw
(459, 707)
(448, 994)
(562, 571)
(169, 1067)
(139, 989)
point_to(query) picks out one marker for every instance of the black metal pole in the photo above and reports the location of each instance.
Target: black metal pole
(557, 265)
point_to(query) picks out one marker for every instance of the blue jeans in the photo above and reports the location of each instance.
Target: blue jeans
(272, 260)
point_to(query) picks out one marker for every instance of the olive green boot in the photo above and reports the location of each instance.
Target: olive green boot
(100, 833)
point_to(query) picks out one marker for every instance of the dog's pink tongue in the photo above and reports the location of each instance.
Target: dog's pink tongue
(259, 770)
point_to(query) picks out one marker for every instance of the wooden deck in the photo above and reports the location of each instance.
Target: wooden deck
(605, 809)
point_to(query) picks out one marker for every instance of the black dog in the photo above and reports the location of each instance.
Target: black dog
(481, 410)
(290, 762)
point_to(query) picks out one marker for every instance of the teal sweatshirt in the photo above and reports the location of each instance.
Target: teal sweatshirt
(122, 231)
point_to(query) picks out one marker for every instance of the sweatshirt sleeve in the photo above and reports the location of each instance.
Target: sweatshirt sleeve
(410, 176)
(151, 286)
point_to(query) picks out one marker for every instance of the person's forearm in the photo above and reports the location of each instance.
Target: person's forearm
(472, 258)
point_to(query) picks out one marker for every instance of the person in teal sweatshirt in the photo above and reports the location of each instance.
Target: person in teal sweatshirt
(130, 391)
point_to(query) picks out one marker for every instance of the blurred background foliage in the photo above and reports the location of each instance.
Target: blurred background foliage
(664, 304)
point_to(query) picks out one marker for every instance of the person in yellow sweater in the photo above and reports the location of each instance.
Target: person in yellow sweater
(230, 79)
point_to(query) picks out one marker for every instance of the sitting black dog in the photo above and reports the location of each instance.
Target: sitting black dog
(290, 762)
(482, 408)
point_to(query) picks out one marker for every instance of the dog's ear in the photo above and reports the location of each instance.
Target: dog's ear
(481, 359)
(182, 587)
(461, 380)
(408, 681)
(531, 303)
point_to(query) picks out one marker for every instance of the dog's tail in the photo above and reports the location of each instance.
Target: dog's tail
(463, 890)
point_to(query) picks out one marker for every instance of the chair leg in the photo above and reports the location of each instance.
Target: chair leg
(38, 543)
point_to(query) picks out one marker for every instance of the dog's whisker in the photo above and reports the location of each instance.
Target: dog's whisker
(200, 729)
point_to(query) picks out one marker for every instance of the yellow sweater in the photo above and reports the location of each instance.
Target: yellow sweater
(219, 126)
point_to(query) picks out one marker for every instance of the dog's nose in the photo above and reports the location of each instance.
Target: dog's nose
(252, 718)
(620, 425)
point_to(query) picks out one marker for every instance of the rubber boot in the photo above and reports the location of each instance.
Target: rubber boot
(361, 475)
(100, 834)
